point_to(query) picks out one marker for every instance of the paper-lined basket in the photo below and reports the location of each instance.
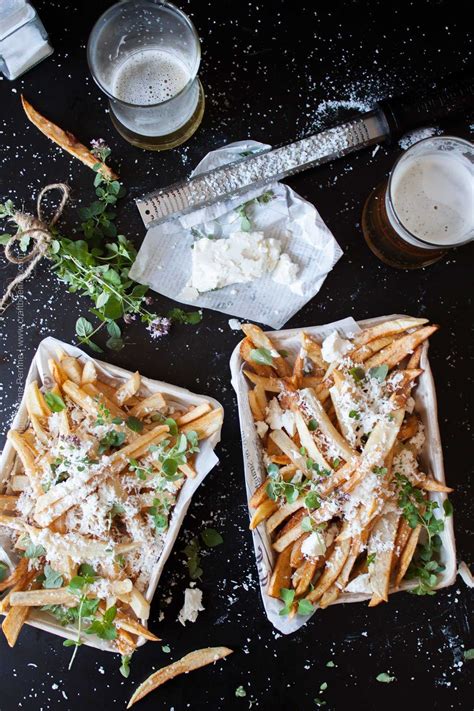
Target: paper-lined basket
(205, 461)
(431, 458)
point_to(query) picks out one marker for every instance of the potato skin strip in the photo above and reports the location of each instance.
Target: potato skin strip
(392, 355)
(388, 328)
(190, 662)
(65, 140)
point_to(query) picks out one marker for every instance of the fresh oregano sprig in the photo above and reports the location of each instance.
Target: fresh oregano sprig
(97, 262)
(417, 510)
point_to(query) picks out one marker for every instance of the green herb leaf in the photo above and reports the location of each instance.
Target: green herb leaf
(312, 501)
(469, 654)
(193, 440)
(115, 344)
(71, 643)
(370, 558)
(52, 579)
(287, 596)
(166, 648)
(380, 471)
(111, 439)
(357, 373)
(4, 571)
(32, 551)
(104, 628)
(172, 426)
(330, 664)
(87, 571)
(447, 507)
(77, 583)
(240, 692)
(261, 356)
(385, 678)
(305, 607)
(354, 414)
(134, 424)
(186, 317)
(83, 327)
(54, 402)
(192, 551)
(379, 372)
(124, 668)
(211, 537)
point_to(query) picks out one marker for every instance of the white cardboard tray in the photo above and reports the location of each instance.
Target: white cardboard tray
(205, 461)
(431, 457)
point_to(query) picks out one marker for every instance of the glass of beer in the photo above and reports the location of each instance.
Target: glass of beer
(144, 55)
(426, 207)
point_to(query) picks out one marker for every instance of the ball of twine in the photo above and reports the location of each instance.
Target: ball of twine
(40, 233)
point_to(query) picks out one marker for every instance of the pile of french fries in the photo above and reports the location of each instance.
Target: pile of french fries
(334, 436)
(97, 473)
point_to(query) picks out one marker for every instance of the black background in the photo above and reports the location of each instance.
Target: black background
(266, 67)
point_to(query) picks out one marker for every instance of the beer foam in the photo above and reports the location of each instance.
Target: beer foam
(150, 76)
(433, 196)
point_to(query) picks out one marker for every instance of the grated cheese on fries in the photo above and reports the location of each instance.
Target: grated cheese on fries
(344, 501)
(98, 471)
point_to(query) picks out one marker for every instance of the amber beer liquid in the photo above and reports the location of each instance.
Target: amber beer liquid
(158, 105)
(426, 207)
(145, 57)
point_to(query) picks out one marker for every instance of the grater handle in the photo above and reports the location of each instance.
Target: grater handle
(453, 95)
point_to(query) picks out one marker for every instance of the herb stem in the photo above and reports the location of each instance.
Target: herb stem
(79, 630)
(121, 297)
(87, 338)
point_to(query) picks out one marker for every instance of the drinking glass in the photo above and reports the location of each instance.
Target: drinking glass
(426, 207)
(144, 56)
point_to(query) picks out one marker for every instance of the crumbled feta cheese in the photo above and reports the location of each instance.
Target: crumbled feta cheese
(368, 400)
(334, 347)
(360, 584)
(240, 258)
(405, 463)
(314, 545)
(262, 429)
(286, 272)
(192, 605)
(279, 419)
(234, 324)
(418, 440)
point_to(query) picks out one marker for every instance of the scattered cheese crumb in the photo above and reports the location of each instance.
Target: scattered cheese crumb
(192, 605)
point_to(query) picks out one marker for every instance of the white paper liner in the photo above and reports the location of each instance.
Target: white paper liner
(164, 259)
(431, 457)
(205, 461)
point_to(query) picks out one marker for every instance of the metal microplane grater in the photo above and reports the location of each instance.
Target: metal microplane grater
(390, 118)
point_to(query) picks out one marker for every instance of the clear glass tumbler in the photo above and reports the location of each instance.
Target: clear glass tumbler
(144, 56)
(426, 206)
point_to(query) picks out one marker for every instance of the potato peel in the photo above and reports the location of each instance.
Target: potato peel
(194, 660)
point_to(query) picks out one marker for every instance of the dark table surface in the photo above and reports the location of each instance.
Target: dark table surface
(266, 67)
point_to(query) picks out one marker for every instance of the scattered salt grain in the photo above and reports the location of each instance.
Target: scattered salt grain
(409, 139)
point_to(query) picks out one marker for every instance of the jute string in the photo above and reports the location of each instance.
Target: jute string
(39, 231)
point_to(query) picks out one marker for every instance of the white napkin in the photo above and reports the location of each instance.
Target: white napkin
(164, 260)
